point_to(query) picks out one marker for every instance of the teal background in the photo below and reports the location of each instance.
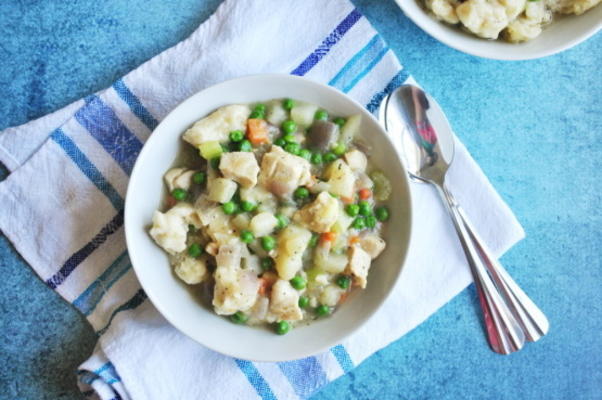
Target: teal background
(535, 127)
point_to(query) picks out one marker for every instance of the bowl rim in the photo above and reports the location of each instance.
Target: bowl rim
(129, 229)
(423, 23)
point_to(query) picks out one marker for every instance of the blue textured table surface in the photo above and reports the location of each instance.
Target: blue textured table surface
(533, 126)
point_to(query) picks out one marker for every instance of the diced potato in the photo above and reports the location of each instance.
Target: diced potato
(276, 114)
(263, 224)
(292, 242)
(330, 262)
(330, 295)
(350, 129)
(241, 222)
(303, 114)
(220, 229)
(221, 190)
(320, 215)
(356, 160)
(284, 302)
(241, 167)
(256, 194)
(191, 270)
(217, 125)
(341, 179)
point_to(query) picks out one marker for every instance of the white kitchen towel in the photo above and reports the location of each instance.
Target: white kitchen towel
(63, 203)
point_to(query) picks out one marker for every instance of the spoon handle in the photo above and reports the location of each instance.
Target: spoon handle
(503, 331)
(532, 320)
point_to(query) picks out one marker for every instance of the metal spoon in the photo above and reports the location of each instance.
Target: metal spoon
(428, 146)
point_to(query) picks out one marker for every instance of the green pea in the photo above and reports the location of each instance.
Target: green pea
(339, 149)
(179, 194)
(230, 207)
(280, 142)
(248, 206)
(247, 236)
(339, 121)
(245, 145)
(199, 178)
(301, 193)
(282, 221)
(370, 221)
(298, 282)
(289, 126)
(236, 136)
(292, 148)
(316, 158)
(382, 213)
(303, 301)
(288, 104)
(344, 281)
(358, 223)
(290, 138)
(365, 208)
(239, 317)
(215, 162)
(352, 210)
(195, 250)
(282, 327)
(321, 115)
(267, 263)
(268, 243)
(225, 148)
(257, 115)
(304, 153)
(323, 310)
(260, 108)
(314, 240)
(329, 157)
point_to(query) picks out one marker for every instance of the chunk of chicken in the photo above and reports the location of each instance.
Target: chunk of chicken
(169, 229)
(178, 178)
(220, 227)
(319, 215)
(191, 270)
(218, 124)
(235, 289)
(572, 6)
(240, 166)
(281, 172)
(284, 302)
(372, 245)
(444, 10)
(221, 190)
(292, 242)
(356, 160)
(359, 264)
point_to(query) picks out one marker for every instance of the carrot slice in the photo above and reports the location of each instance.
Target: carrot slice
(365, 194)
(328, 237)
(353, 240)
(257, 131)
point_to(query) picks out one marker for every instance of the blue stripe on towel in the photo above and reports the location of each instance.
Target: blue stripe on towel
(255, 379)
(305, 375)
(79, 256)
(360, 64)
(102, 123)
(86, 166)
(108, 373)
(340, 353)
(397, 81)
(132, 303)
(89, 299)
(135, 105)
(327, 43)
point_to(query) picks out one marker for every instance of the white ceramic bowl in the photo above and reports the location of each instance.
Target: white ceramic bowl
(174, 300)
(564, 33)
